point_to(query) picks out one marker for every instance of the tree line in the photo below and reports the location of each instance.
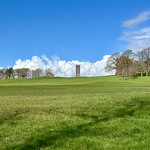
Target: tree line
(9, 73)
(129, 64)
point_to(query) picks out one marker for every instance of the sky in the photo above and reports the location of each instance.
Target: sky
(62, 33)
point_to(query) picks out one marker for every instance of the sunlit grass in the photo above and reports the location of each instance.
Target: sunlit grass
(75, 113)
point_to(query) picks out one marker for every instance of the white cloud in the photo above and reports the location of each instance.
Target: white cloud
(142, 17)
(64, 68)
(137, 40)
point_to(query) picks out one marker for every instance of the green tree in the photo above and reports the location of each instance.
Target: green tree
(9, 73)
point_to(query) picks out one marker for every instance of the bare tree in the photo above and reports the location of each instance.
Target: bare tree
(129, 53)
(36, 73)
(113, 63)
(49, 73)
(21, 72)
(144, 61)
(124, 65)
(24, 72)
(2, 73)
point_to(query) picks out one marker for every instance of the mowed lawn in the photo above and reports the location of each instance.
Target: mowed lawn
(97, 113)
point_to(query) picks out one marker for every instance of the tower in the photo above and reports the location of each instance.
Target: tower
(77, 70)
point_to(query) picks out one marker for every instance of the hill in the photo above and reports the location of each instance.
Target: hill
(75, 113)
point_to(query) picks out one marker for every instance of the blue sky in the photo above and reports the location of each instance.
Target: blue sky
(83, 30)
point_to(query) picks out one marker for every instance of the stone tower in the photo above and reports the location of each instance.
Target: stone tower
(77, 70)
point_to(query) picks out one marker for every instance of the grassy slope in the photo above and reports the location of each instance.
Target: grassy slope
(75, 113)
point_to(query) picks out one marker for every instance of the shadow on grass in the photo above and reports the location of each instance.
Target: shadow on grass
(56, 139)
(9, 116)
(136, 105)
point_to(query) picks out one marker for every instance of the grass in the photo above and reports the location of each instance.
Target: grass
(75, 113)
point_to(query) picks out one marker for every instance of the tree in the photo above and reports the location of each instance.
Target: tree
(141, 66)
(144, 61)
(123, 64)
(24, 72)
(129, 53)
(2, 73)
(49, 73)
(36, 73)
(9, 73)
(21, 73)
(113, 63)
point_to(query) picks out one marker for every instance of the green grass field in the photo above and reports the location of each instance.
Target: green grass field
(75, 114)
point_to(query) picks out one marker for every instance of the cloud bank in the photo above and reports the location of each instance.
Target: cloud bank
(137, 38)
(62, 68)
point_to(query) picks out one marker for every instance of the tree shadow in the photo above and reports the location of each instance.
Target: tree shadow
(12, 115)
(130, 109)
(57, 138)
